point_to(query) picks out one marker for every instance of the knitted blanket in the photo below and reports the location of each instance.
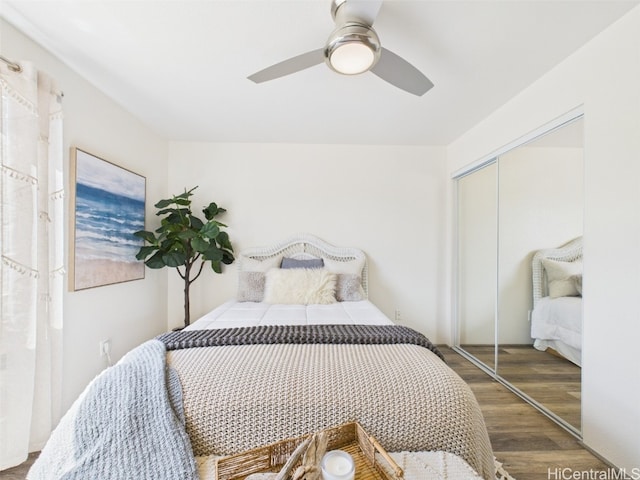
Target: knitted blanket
(128, 423)
(238, 397)
(300, 334)
(131, 421)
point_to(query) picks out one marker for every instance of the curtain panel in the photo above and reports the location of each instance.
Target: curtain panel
(32, 267)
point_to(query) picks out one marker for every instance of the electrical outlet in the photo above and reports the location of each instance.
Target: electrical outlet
(398, 316)
(105, 347)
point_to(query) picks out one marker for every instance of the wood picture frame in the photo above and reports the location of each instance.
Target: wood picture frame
(107, 206)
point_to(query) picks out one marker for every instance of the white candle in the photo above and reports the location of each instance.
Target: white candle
(338, 465)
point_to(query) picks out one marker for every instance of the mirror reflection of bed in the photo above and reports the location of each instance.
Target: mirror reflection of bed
(548, 368)
(556, 319)
(550, 371)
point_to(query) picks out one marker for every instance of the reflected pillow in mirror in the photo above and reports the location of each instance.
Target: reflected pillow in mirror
(577, 281)
(559, 277)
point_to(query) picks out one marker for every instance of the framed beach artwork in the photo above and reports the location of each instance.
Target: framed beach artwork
(107, 207)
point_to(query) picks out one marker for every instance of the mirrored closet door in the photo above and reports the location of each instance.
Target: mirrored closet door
(477, 198)
(519, 268)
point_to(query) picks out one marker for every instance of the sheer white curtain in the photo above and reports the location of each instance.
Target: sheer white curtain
(31, 243)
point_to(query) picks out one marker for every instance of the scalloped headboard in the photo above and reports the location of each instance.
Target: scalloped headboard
(305, 245)
(568, 252)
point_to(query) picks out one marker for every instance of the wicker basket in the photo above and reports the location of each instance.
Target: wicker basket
(372, 461)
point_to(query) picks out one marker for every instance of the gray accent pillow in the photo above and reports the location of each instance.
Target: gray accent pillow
(301, 263)
(251, 286)
(349, 288)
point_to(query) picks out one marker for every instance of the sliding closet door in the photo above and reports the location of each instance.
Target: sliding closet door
(541, 206)
(530, 197)
(477, 263)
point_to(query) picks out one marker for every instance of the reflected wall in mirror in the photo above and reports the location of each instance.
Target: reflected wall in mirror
(477, 259)
(527, 203)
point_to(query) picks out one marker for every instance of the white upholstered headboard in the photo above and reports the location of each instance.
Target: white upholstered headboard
(568, 252)
(304, 246)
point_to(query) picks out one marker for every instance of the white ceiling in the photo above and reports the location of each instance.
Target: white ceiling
(181, 66)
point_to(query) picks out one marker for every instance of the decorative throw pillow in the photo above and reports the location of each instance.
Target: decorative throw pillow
(353, 267)
(559, 277)
(349, 288)
(248, 264)
(301, 263)
(250, 286)
(303, 286)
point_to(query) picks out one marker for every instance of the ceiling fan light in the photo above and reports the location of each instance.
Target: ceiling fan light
(352, 49)
(352, 58)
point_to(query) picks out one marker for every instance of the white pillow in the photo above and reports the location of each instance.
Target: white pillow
(560, 277)
(248, 264)
(301, 286)
(352, 267)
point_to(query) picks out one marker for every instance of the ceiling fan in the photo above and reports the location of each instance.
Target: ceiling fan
(353, 48)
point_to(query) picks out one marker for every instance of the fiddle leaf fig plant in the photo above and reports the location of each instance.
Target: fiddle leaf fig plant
(185, 242)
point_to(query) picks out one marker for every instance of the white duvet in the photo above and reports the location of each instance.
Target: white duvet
(557, 323)
(234, 314)
(558, 319)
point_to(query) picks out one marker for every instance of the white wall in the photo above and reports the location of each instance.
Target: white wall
(389, 201)
(127, 313)
(603, 76)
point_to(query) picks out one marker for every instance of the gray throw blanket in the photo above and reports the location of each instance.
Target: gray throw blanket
(127, 424)
(298, 334)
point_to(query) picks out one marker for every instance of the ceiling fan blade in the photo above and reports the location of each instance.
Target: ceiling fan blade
(397, 71)
(364, 11)
(287, 67)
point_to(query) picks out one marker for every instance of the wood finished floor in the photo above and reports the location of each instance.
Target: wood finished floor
(19, 472)
(552, 380)
(524, 440)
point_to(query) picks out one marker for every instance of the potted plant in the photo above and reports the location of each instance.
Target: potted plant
(186, 242)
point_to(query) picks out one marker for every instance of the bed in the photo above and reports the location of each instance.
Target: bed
(300, 349)
(556, 319)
